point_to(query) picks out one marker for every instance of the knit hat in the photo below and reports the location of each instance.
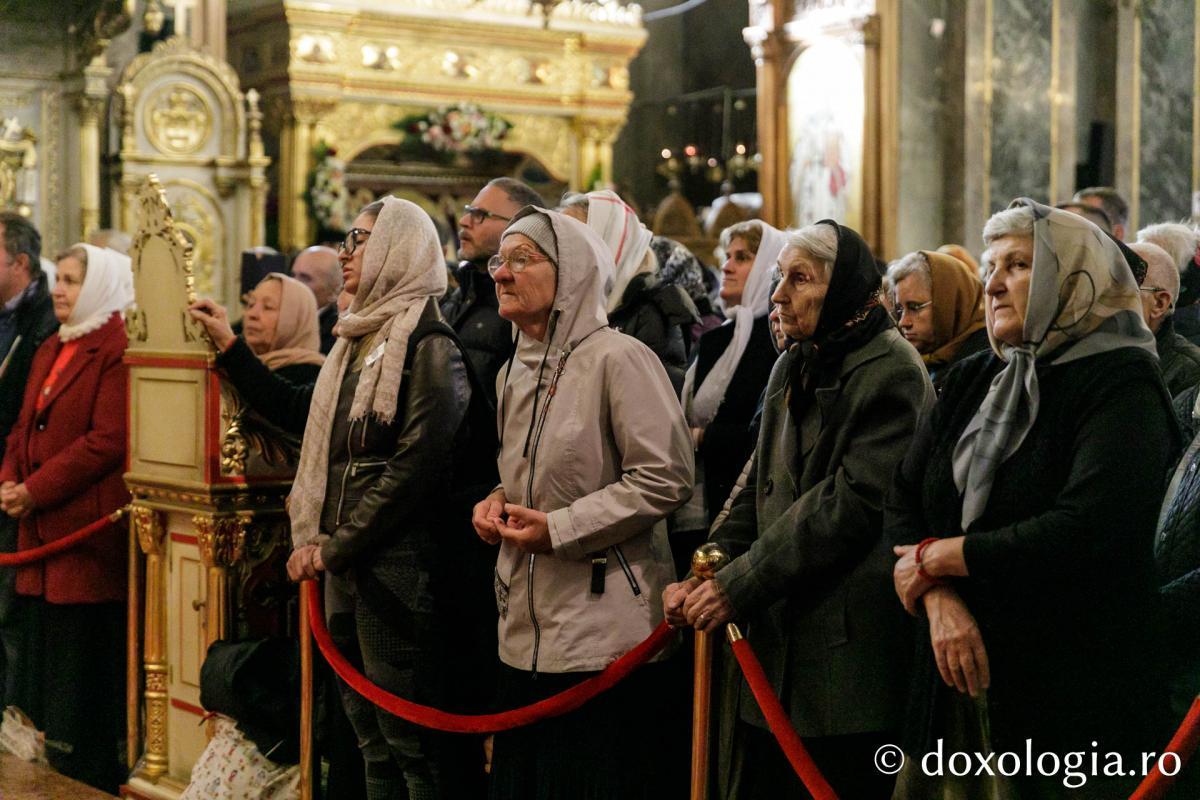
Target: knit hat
(535, 225)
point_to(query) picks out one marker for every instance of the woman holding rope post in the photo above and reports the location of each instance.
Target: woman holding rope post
(594, 454)
(62, 469)
(1024, 518)
(388, 423)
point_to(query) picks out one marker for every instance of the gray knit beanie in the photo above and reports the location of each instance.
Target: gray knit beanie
(535, 224)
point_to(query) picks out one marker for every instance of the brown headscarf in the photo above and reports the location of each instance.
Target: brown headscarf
(957, 296)
(962, 254)
(297, 337)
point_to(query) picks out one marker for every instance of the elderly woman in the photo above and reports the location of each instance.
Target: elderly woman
(733, 362)
(810, 572)
(938, 308)
(640, 301)
(62, 470)
(594, 454)
(1025, 512)
(388, 421)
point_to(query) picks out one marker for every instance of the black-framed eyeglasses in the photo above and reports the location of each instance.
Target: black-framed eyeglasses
(1151, 289)
(516, 263)
(910, 308)
(478, 215)
(351, 242)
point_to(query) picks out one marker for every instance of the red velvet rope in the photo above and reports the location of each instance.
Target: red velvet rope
(23, 557)
(429, 717)
(1183, 744)
(780, 725)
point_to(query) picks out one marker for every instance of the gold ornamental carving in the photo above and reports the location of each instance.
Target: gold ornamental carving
(155, 760)
(178, 119)
(18, 160)
(148, 526)
(245, 432)
(197, 215)
(221, 539)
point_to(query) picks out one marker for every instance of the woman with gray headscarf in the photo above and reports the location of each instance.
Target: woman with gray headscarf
(387, 421)
(594, 453)
(1024, 516)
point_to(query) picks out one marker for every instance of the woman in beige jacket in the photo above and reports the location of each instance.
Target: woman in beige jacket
(586, 483)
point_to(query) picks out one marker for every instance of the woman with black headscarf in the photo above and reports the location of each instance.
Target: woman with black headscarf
(810, 573)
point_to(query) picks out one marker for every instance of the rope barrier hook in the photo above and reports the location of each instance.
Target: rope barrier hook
(708, 559)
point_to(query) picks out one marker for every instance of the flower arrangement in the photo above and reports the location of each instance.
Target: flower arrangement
(454, 130)
(326, 194)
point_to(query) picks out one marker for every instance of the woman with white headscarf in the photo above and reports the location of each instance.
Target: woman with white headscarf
(733, 362)
(1025, 516)
(387, 425)
(62, 470)
(639, 301)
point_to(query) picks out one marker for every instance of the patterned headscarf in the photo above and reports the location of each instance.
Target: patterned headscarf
(1082, 301)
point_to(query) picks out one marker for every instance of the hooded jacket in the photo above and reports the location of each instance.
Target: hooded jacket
(608, 457)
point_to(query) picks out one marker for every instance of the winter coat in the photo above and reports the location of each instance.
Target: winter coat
(810, 573)
(1178, 358)
(658, 315)
(34, 322)
(609, 459)
(472, 311)
(1060, 568)
(71, 456)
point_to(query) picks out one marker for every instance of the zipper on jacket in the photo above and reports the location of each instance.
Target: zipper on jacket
(357, 466)
(337, 520)
(633, 584)
(537, 629)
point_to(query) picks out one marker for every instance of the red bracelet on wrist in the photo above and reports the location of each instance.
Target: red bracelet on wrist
(921, 566)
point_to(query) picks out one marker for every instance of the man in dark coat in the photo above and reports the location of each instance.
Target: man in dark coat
(809, 569)
(26, 320)
(1178, 358)
(471, 308)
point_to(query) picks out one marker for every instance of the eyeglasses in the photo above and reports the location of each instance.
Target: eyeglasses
(352, 242)
(478, 215)
(910, 308)
(516, 263)
(1151, 289)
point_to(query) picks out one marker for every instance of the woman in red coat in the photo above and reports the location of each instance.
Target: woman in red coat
(62, 471)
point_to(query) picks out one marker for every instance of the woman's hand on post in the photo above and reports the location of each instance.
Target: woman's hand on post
(957, 641)
(707, 608)
(302, 564)
(487, 514)
(673, 597)
(527, 528)
(215, 320)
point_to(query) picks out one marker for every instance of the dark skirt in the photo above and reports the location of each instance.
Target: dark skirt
(629, 742)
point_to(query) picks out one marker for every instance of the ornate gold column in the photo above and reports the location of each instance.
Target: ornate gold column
(222, 543)
(258, 169)
(149, 525)
(769, 49)
(91, 103)
(596, 138)
(296, 146)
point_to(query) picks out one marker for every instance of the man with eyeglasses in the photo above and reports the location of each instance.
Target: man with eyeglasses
(471, 309)
(1178, 358)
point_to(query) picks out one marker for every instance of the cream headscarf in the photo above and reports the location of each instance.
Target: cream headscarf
(107, 289)
(297, 337)
(402, 268)
(626, 237)
(700, 405)
(1082, 301)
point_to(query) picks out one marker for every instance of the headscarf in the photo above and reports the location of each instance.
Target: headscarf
(677, 266)
(962, 254)
(626, 237)
(107, 289)
(851, 316)
(297, 338)
(957, 295)
(700, 404)
(402, 268)
(1082, 301)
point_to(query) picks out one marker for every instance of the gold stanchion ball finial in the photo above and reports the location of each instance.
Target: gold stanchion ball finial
(708, 559)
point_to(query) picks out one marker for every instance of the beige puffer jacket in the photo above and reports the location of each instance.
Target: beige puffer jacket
(611, 458)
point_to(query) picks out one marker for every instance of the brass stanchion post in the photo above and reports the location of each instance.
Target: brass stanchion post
(707, 559)
(306, 700)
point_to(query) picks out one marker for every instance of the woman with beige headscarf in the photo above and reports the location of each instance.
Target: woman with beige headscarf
(1024, 516)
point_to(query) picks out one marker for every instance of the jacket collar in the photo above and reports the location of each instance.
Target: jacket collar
(88, 346)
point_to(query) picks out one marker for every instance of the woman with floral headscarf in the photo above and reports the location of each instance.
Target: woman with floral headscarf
(1025, 514)
(63, 469)
(371, 504)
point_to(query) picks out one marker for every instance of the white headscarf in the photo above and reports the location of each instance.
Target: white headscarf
(700, 405)
(402, 268)
(107, 289)
(626, 237)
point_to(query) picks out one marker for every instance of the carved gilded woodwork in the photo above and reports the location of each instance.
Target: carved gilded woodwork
(178, 119)
(221, 539)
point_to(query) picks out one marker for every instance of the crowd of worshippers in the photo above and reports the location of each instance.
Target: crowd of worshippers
(959, 495)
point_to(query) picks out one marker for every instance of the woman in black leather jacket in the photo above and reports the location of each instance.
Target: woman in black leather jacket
(387, 417)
